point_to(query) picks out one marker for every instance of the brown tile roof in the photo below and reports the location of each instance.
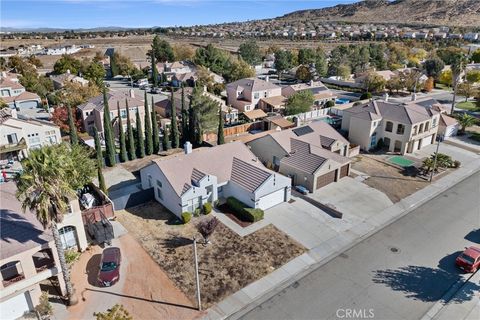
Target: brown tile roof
(248, 176)
(217, 161)
(113, 97)
(255, 114)
(24, 96)
(254, 84)
(8, 83)
(301, 158)
(277, 101)
(447, 121)
(20, 231)
(281, 122)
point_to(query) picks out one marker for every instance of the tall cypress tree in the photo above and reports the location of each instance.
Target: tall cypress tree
(154, 71)
(165, 141)
(155, 133)
(185, 134)
(72, 127)
(108, 132)
(191, 121)
(148, 129)
(174, 127)
(220, 137)
(121, 133)
(140, 140)
(98, 149)
(130, 139)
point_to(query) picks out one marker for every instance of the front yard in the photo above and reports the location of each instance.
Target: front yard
(392, 181)
(227, 264)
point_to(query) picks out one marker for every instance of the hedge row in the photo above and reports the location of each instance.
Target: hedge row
(243, 212)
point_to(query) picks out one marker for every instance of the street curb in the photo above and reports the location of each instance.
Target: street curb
(445, 300)
(217, 313)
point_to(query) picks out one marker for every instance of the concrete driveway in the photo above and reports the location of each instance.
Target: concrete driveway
(354, 199)
(462, 155)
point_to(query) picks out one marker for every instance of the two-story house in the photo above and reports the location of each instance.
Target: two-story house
(18, 136)
(184, 182)
(15, 95)
(92, 111)
(321, 94)
(29, 255)
(403, 128)
(245, 94)
(60, 80)
(312, 156)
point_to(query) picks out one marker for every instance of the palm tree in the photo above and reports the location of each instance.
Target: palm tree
(50, 176)
(458, 66)
(465, 121)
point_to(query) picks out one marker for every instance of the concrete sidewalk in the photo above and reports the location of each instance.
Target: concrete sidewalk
(458, 306)
(257, 292)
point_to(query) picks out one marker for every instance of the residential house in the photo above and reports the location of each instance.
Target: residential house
(385, 74)
(15, 95)
(321, 94)
(29, 255)
(448, 126)
(470, 36)
(403, 128)
(312, 156)
(18, 136)
(245, 94)
(60, 80)
(92, 111)
(184, 182)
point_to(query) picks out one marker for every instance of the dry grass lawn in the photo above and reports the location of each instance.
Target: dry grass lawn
(388, 179)
(226, 265)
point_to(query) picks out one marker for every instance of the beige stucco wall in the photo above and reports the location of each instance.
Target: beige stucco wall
(265, 148)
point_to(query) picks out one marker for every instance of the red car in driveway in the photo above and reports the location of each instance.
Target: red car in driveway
(109, 272)
(469, 260)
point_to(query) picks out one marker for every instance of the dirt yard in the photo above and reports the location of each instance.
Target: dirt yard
(390, 180)
(226, 265)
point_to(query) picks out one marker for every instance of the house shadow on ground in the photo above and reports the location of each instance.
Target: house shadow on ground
(473, 236)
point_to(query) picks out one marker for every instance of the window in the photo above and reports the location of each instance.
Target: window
(159, 194)
(434, 122)
(12, 138)
(415, 129)
(426, 126)
(266, 94)
(420, 130)
(123, 113)
(159, 183)
(111, 115)
(400, 129)
(389, 126)
(256, 95)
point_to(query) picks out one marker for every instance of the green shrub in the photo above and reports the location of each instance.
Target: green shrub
(457, 164)
(196, 213)
(366, 95)
(330, 104)
(71, 256)
(207, 208)
(186, 217)
(243, 212)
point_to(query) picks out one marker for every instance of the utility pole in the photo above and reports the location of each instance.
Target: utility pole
(435, 159)
(197, 277)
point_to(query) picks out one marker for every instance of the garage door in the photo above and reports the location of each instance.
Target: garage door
(344, 171)
(325, 179)
(68, 235)
(15, 307)
(271, 199)
(426, 141)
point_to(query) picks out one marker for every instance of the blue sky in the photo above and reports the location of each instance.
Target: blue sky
(143, 13)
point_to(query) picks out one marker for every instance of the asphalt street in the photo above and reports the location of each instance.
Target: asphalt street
(397, 273)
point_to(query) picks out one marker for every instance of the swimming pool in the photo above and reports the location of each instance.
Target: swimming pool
(341, 101)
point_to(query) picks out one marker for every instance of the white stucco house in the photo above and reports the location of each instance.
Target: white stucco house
(14, 94)
(184, 182)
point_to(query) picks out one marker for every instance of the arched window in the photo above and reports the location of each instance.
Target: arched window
(68, 236)
(420, 130)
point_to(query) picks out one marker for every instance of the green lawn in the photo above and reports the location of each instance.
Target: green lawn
(467, 105)
(442, 87)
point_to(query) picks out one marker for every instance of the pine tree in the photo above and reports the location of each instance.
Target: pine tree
(148, 129)
(108, 132)
(174, 128)
(140, 139)
(165, 140)
(72, 127)
(185, 134)
(130, 139)
(220, 137)
(98, 149)
(154, 71)
(121, 133)
(155, 134)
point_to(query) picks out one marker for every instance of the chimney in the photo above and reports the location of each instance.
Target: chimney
(267, 78)
(204, 88)
(187, 147)
(131, 93)
(385, 97)
(311, 83)
(414, 96)
(68, 71)
(13, 113)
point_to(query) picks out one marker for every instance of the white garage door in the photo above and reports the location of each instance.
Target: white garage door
(271, 199)
(426, 141)
(15, 307)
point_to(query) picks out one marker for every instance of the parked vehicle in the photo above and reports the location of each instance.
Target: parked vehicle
(109, 272)
(301, 189)
(155, 90)
(469, 260)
